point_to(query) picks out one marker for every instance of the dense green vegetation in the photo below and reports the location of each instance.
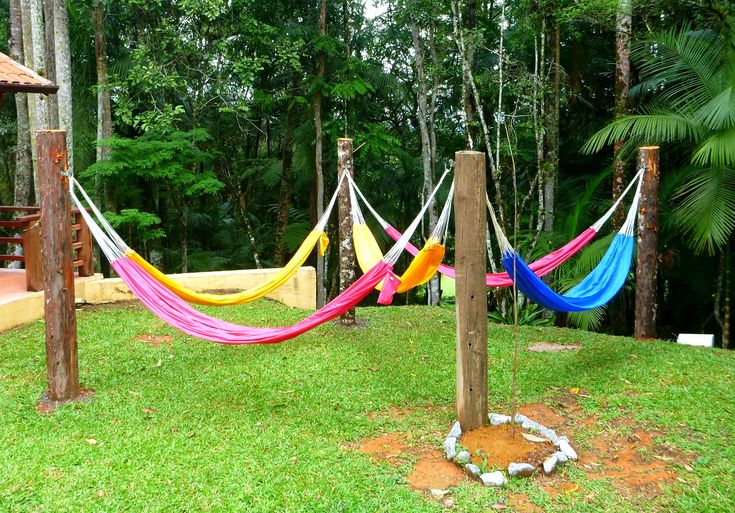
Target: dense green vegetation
(185, 425)
(219, 110)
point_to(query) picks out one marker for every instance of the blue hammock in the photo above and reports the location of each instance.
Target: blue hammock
(598, 287)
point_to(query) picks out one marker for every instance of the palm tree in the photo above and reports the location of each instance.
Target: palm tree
(688, 90)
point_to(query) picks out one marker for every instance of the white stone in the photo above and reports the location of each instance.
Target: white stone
(473, 469)
(493, 478)
(550, 464)
(456, 431)
(497, 419)
(567, 450)
(561, 457)
(463, 457)
(550, 434)
(520, 418)
(450, 447)
(520, 469)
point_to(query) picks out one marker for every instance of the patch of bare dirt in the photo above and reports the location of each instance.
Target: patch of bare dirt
(388, 447)
(636, 463)
(432, 471)
(155, 340)
(550, 347)
(499, 446)
(543, 414)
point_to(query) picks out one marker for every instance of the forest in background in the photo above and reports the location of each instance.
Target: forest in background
(207, 129)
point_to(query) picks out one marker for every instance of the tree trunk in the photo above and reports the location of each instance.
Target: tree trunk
(622, 88)
(551, 152)
(321, 291)
(347, 258)
(433, 295)
(25, 7)
(23, 154)
(104, 193)
(52, 107)
(184, 252)
(470, 22)
(62, 54)
(646, 273)
(284, 197)
(38, 43)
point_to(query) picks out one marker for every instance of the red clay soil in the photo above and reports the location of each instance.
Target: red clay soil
(543, 415)
(432, 470)
(389, 447)
(623, 461)
(503, 445)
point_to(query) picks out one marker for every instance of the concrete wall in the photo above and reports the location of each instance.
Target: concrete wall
(299, 291)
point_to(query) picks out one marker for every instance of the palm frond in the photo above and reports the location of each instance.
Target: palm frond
(718, 150)
(707, 208)
(656, 127)
(718, 113)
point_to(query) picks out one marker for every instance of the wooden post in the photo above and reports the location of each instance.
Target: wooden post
(86, 252)
(56, 251)
(646, 272)
(347, 258)
(471, 294)
(32, 253)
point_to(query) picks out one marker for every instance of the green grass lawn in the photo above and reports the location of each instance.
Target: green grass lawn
(192, 426)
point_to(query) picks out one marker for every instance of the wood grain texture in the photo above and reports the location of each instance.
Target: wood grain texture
(646, 274)
(56, 252)
(471, 293)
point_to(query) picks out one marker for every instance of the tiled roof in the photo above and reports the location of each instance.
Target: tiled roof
(16, 78)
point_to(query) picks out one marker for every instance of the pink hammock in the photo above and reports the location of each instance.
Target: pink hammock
(178, 313)
(540, 267)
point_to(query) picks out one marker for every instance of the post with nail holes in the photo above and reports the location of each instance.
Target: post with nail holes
(471, 294)
(56, 254)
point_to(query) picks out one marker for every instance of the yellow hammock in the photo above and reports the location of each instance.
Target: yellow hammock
(422, 268)
(246, 296)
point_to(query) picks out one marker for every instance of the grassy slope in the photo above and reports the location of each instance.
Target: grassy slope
(194, 426)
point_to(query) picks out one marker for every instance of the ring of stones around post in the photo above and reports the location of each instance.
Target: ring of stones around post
(564, 452)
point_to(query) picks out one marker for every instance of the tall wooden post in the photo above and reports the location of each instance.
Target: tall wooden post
(646, 272)
(347, 258)
(471, 294)
(56, 250)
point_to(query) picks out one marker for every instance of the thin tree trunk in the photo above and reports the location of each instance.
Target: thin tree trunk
(184, 252)
(62, 54)
(434, 284)
(52, 107)
(284, 197)
(25, 7)
(425, 140)
(622, 88)
(23, 155)
(726, 292)
(470, 22)
(104, 193)
(551, 154)
(321, 291)
(38, 42)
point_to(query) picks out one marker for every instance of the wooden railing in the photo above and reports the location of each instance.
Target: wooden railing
(30, 227)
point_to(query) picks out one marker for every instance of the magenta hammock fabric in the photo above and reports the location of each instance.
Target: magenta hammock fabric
(178, 313)
(540, 267)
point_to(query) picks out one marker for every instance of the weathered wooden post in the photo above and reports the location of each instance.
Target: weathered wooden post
(471, 295)
(646, 271)
(56, 250)
(347, 258)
